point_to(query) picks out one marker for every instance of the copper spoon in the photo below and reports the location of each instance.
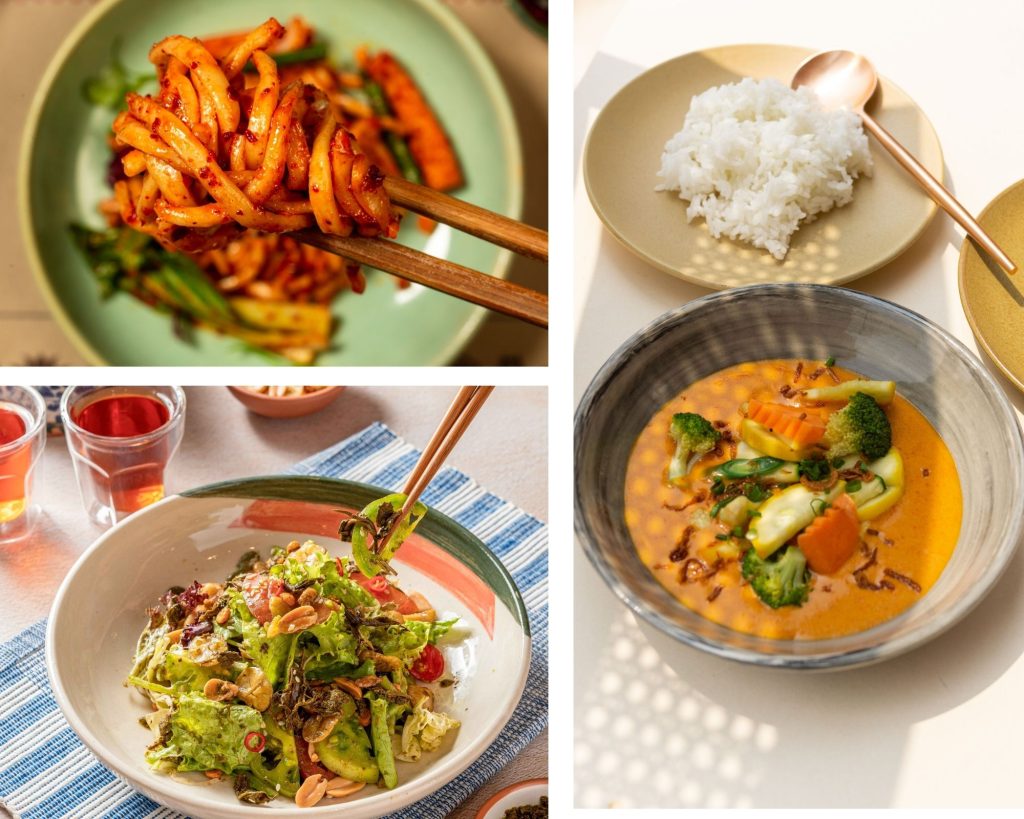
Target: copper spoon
(844, 79)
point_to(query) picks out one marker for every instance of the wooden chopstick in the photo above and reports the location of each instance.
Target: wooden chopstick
(456, 409)
(438, 274)
(488, 225)
(457, 419)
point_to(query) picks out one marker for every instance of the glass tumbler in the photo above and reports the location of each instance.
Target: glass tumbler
(121, 440)
(22, 438)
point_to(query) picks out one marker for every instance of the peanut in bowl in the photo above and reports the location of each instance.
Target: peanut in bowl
(285, 402)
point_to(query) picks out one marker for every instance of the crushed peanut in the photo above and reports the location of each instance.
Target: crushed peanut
(297, 620)
(220, 690)
(311, 791)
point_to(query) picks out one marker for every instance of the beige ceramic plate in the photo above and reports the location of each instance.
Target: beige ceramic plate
(889, 211)
(993, 301)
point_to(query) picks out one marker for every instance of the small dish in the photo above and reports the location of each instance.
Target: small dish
(201, 534)
(994, 302)
(528, 792)
(285, 406)
(888, 213)
(940, 376)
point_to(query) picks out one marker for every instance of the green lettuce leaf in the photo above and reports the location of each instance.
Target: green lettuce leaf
(330, 643)
(318, 566)
(424, 730)
(369, 562)
(272, 654)
(406, 641)
(203, 735)
(345, 590)
(328, 671)
(430, 632)
(185, 675)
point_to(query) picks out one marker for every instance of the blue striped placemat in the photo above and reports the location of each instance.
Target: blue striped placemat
(38, 751)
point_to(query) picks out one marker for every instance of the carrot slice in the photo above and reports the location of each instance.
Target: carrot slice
(832, 538)
(801, 425)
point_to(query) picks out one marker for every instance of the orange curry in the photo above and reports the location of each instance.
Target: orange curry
(899, 554)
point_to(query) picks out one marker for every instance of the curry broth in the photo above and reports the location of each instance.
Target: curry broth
(915, 538)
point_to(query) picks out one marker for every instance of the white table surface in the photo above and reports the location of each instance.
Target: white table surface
(223, 440)
(658, 724)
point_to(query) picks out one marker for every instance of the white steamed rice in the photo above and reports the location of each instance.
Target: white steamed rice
(756, 158)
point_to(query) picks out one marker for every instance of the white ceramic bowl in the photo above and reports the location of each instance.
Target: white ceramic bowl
(99, 612)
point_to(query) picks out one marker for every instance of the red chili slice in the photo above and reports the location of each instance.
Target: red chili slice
(255, 742)
(379, 588)
(385, 592)
(429, 665)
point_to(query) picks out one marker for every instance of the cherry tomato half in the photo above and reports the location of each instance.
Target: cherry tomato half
(429, 665)
(307, 767)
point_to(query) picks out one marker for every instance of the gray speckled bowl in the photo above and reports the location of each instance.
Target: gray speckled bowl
(874, 337)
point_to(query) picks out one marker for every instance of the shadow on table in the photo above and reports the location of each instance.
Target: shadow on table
(503, 341)
(297, 438)
(691, 730)
(663, 725)
(601, 329)
(605, 76)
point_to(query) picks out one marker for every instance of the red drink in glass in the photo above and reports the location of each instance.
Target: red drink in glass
(121, 440)
(14, 466)
(22, 438)
(127, 416)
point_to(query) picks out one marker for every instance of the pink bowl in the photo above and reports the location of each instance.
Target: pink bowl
(288, 406)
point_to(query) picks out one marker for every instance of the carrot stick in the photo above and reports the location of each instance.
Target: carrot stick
(800, 425)
(832, 538)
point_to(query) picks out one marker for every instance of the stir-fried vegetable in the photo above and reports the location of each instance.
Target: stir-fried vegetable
(781, 581)
(771, 443)
(127, 261)
(802, 427)
(882, 391)
(831, 537)
(860, 426)
(694, 436)
(784, 515)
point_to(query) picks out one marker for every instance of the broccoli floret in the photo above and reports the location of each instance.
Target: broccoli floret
(781, 580)
(694, 436)
(860, 426)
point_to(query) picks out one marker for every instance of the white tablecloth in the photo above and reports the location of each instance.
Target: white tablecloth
(660, 724)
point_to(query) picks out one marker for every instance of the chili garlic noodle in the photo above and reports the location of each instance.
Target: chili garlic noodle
(214, 152)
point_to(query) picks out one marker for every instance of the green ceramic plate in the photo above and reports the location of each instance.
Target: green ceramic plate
(65, 158)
